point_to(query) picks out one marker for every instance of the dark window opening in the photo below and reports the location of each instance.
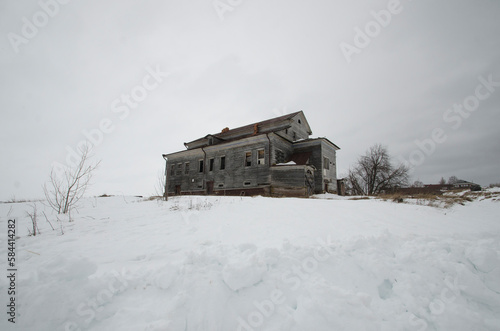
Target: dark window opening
(247, 183)
(248, 159)
(280, 156)
(211, 165)
(222, 163)
(261, 156)
(200, 168)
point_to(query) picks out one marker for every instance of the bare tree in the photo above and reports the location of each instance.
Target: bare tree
(442, 181)
(418, 183)
(374, 173)
(64, 190)
(452, 180)
(160, 184)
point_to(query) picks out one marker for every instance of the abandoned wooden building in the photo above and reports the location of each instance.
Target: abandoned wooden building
(275, 157)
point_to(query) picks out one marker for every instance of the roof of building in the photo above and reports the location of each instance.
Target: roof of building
(266, 126)
(245, 128)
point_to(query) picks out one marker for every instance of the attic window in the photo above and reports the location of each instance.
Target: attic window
(299, 121)
(210, 141)
(247, 183)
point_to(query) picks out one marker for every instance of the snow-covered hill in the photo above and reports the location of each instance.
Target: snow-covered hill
(231, 263)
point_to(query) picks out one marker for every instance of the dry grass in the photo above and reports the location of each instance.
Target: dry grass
(439, 199)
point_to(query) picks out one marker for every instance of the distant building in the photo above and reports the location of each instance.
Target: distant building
(463, 184)
(275, 157)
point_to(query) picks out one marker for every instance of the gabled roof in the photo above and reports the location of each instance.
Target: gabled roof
(267, 126)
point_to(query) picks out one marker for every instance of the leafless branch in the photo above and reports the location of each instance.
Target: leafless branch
(63, 191)
(374, 173)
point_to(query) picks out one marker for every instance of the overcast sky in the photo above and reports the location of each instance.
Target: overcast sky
(193, 68)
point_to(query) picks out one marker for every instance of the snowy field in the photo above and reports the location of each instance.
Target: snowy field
(232, 263)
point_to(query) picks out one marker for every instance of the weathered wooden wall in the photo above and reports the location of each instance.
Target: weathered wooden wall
(278, 147)
(235, 174)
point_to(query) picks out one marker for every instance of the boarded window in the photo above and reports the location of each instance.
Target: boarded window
(280, 156)
(211, 165)
(186, 168)
(248, 159)
(200, 166)
(222, 163)
(261, 158)
(326, 163)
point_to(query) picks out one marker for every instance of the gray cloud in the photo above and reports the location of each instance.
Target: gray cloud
(262, 59)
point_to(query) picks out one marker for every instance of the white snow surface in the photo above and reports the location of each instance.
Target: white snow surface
(241, 263)
(287, 163)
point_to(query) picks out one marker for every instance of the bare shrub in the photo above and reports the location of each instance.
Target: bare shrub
(64, 190)
(34, 222)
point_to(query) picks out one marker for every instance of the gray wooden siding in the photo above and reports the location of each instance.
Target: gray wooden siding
(235, 174)
(278, 147)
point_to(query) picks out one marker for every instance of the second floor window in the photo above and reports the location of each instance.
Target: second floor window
(222, 162)
(211, 164)
(248, 159)
(261, 156)
(326, 163)
(200, 168)
(186, 168)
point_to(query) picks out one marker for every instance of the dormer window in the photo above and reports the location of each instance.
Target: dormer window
(210, 141)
